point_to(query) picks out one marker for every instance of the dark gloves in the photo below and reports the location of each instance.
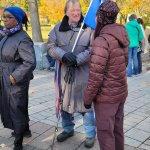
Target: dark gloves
(69, 59)
(87, 106)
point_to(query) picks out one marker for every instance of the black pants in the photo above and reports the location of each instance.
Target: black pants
(18, 140)
(139, 62)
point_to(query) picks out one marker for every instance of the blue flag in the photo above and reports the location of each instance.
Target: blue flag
(89, 19)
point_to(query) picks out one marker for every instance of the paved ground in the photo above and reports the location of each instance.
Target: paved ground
(43, 120)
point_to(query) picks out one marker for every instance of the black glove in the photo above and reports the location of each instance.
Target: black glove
(87, 106)
(70, 59)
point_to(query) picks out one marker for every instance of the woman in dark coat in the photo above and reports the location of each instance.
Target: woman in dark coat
(17, 62)
(107, 84)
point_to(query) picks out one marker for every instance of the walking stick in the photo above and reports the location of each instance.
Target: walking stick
(56, 129)
(58, 98)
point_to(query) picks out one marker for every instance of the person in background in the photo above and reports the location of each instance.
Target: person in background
(143, 46)
(51, 62)
(107, 83)
(17, 62)
(74, 70)
(149, 38)
(135, 35)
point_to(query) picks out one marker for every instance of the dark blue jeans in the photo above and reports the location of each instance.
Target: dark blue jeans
(132, 67)
(50, 60)
(140, 61)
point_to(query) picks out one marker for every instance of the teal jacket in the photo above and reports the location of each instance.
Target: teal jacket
(135, 33)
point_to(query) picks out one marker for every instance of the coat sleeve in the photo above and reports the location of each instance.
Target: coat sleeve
(84, 56)
(98, 62)
(141, 35)
(144, 41)
(27, 55)
(1, 35)
(126, 47)
(52, 47)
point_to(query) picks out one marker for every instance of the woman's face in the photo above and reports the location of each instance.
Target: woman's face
(9, 20)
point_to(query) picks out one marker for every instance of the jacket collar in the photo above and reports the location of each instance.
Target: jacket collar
(64, 26)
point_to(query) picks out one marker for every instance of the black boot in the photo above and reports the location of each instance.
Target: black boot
(64, 135)
(27, 132)
(18, 142)
(89, 142)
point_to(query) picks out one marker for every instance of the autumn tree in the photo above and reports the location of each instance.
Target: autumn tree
(35, 23)
(6, 3)
(53, 10)
(21, 3)
(85, 4)
(138, 7)
(44, 10)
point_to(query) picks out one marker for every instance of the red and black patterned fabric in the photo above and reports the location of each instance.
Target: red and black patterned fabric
(106, 14)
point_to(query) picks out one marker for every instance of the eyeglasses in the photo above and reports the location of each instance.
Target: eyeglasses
(7, 18)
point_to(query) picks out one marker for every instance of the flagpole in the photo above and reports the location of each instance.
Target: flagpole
(81, 28)
(75, 43)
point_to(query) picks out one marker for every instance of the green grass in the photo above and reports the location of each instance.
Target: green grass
(45, 31)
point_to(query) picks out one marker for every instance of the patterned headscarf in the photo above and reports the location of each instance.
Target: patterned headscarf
(106, 14)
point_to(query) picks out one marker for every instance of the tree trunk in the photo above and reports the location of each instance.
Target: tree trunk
(126, 17)
(35, 23)
(120, 19)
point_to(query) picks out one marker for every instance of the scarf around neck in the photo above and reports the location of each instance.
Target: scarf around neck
(12, 30)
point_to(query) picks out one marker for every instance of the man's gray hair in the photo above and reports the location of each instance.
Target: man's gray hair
(70, 1)
(132, 17)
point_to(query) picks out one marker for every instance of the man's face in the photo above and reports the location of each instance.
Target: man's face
(74, 12)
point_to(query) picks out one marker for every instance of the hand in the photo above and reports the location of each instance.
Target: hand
(12, 80)
(70, 59)
(87, 106)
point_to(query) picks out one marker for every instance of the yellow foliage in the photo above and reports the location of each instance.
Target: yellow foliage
(53, 10)
(21, 3)
(138, 7)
